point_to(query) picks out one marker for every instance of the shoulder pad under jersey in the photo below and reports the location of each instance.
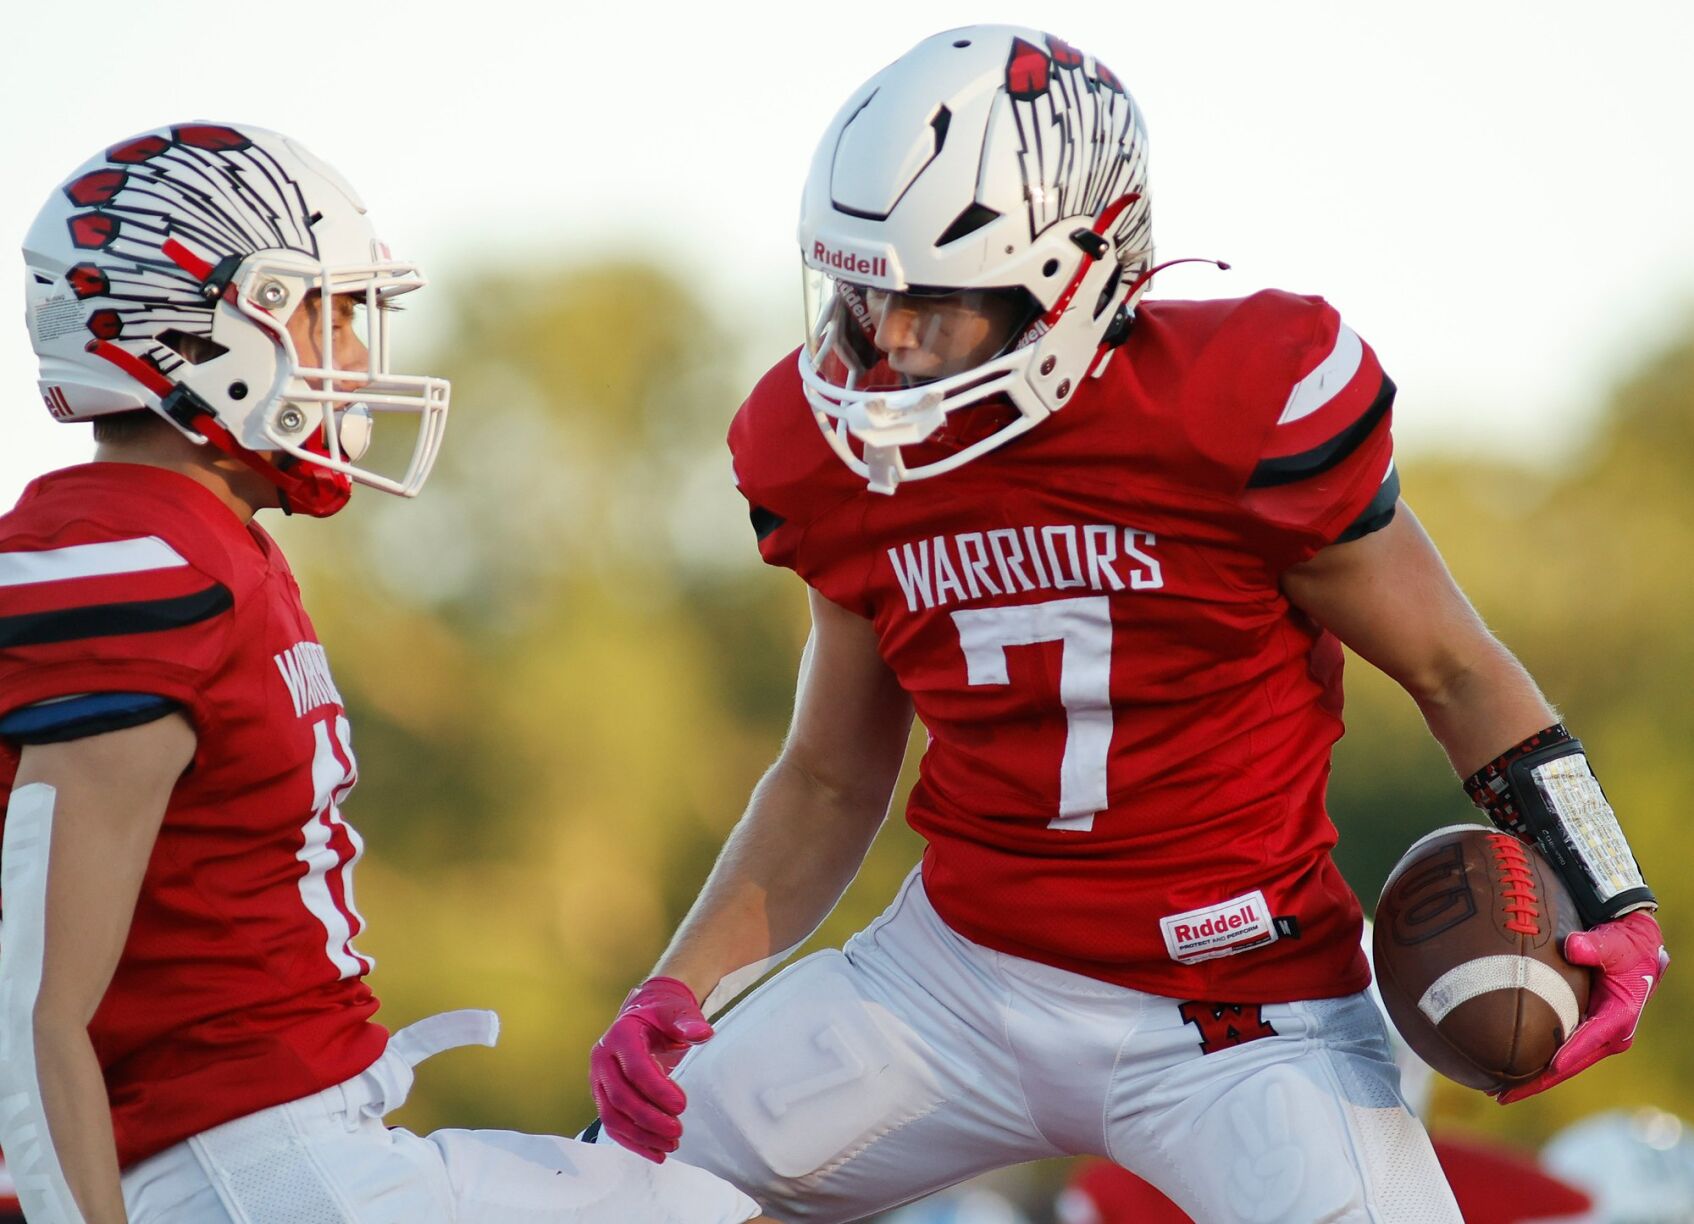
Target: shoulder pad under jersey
(127, 594)
(782, 464)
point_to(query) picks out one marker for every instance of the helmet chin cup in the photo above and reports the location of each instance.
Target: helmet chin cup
(355, 428)
(883, 469)
(896, 418)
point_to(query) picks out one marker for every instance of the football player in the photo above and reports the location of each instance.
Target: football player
(1107, 550)
(185, 1028)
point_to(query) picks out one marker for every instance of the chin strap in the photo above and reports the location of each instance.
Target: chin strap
(307, 489)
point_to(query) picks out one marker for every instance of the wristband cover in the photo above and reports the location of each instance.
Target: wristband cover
(1543, 791)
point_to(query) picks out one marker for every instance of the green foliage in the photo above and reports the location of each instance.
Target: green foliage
(567, 670)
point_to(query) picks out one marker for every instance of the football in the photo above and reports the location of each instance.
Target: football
(1467, 949)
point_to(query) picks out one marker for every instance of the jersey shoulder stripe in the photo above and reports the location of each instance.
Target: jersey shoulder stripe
(102, 560)
(1315, 460)
(101, 589)
(114, 619)
(1332, 376)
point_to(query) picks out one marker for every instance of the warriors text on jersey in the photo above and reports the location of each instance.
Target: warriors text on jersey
(239, 986)
(1129, 725)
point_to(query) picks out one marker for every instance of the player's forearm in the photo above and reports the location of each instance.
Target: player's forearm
(782, 870)
(1478, 710)
(79, 1118)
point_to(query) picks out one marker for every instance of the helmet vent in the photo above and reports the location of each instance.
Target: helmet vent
(972, 219)
(942, 121)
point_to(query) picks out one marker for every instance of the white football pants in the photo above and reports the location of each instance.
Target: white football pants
(854, 1081)
(328, 1159)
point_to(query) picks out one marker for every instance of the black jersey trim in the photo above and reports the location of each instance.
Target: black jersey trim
(590, 1134)
(1378, 514)
(764, 522)
(1288, 469)
(113, 619)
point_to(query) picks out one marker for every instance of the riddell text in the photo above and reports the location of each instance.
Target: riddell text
(847, 261)
(1233, 921)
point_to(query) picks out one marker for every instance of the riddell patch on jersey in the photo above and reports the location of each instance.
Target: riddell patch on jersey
(1225, 929)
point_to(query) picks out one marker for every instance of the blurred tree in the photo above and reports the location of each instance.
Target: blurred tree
(567, 669)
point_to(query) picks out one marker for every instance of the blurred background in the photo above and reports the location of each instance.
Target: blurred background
(566, 666)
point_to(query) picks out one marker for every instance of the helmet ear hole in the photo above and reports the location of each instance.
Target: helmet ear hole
(1110, 291)
(195, 350)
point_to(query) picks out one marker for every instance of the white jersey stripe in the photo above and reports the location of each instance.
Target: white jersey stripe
(1323, 384)
(88, 561)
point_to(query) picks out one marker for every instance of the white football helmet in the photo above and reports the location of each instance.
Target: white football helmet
(992, 178)
(162, 275)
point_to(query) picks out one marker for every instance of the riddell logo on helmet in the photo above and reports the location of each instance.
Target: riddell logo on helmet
(1233, 926)
(849, 262)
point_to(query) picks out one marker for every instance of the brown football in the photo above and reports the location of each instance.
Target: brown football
(1467, 952)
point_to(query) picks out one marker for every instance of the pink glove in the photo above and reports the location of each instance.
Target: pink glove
(629, 1068)
(1629, 955)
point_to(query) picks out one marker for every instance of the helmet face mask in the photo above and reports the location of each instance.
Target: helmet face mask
(169, 274)
(325, 413)
(992, 178)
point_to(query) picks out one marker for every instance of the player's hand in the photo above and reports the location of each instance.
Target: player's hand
(629, 1068)
(1629, 959)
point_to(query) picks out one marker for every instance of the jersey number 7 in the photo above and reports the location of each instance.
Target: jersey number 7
(1084, 625)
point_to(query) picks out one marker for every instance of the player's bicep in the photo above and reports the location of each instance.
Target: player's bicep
(851, 717)
(1389, 596)
(107, 799)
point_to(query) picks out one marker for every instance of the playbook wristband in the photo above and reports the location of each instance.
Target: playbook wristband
(1543, 791)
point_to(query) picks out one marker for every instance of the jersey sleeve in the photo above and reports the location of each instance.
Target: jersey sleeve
(1324, 471)
(792, 481)
(113, 613)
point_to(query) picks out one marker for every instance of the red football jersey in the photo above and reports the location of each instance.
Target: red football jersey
(239, 986)
(1129, 725)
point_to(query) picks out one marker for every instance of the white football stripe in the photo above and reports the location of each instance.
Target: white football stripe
(1488, 973)
(1323, 384)
(88, 561)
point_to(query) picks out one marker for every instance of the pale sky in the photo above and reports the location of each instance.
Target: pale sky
(1496, 195)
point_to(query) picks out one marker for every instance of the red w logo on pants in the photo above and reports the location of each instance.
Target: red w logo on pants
(1225, 1025)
